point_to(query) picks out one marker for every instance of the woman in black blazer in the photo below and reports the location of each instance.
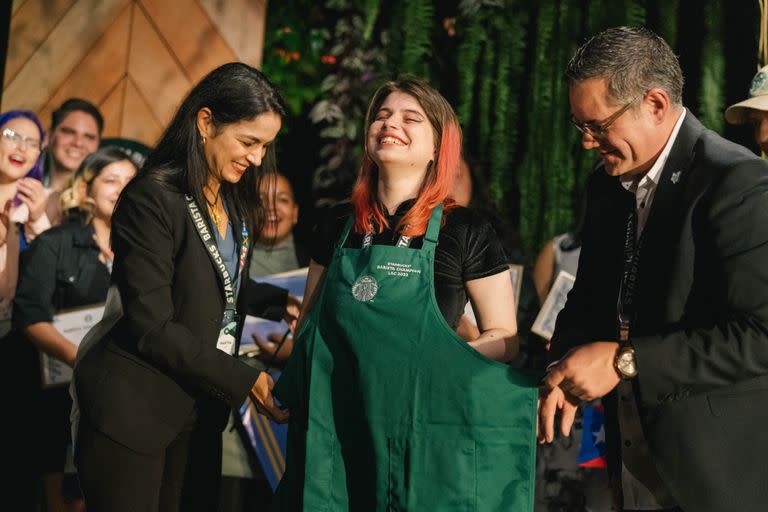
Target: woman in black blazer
(155, 390)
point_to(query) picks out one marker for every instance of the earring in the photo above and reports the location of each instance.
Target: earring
(204, 140)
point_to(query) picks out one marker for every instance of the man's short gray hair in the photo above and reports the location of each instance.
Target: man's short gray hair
(633, 60)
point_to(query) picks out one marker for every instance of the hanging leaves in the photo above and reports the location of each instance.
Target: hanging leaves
(711, 98)
(418, 28)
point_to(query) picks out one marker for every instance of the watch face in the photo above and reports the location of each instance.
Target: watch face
(626, 363)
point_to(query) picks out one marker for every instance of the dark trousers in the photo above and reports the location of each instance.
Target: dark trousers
(114, 478)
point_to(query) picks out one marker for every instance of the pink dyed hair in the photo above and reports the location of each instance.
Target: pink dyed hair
(440, 176)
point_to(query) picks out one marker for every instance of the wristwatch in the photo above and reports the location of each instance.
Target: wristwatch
(624, 363)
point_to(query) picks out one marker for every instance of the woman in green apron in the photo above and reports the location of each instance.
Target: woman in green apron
(390, 409)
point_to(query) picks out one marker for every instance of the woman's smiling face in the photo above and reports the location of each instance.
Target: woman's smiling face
(231, 149)
(19, 148)
(401, 134)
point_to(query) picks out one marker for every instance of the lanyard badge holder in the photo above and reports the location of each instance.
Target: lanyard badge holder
(226, 341)
(625, 308)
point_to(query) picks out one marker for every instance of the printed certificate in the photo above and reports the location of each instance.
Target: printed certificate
(293, 281)
(268, 439)
(74, 324)
(544, 325)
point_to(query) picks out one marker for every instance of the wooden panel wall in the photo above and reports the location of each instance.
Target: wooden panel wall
(135, 59)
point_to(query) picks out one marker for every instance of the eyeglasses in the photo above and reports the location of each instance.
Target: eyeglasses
(21, 142)
(599, 130)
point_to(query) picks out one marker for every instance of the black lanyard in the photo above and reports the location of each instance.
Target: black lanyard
(402, 241)
(209, 241)
(625, 307)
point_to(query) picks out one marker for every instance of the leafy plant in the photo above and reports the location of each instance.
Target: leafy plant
(294, 56)
(344, 98)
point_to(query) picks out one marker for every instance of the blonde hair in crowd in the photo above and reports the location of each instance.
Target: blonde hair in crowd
(75, 196)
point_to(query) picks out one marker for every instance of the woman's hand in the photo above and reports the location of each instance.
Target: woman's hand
(292, 311)
(105, 251)
(8, 231)
(34, 195)
(493, 302)
(467, 330)
(261, 396)
(48, 339)
(275, 349)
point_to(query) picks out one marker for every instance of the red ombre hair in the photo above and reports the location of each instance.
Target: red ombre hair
(441, 174)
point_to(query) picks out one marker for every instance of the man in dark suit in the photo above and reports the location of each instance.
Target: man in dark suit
(668, 317)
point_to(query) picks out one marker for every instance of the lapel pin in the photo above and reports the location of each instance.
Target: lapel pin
(675, 177)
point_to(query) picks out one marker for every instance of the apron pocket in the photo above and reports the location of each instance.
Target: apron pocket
(443, 475)
(321, 453)
(397, 475)
(505, 475)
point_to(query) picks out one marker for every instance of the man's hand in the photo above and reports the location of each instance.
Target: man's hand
(275, 349)
(551, 401)
(261, 395)
(586, 372)
(292, 311)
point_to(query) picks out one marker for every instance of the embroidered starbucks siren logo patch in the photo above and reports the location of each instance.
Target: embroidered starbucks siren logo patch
(365, 288)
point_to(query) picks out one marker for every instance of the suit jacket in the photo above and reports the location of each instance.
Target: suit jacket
(701, 326)
(158, 371)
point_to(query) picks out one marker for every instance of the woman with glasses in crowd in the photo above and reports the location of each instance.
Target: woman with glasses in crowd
(22, 198)
(22, 217)
(66, 267)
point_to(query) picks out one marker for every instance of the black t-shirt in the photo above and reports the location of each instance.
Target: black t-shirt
(467, 249)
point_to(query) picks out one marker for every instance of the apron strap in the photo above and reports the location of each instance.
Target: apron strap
(345, 232)
(433, 228)
(430, 237)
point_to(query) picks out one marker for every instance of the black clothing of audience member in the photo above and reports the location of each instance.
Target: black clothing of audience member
(60, 270)
(467, 248)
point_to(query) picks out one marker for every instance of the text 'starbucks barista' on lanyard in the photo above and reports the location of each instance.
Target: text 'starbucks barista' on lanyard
(402, 241)
(626, 307)
(226, 341)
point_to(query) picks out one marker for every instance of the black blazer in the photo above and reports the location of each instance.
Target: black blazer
(158, 371)
(701, 327)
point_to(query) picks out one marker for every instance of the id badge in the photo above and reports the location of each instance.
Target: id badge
(226, 341)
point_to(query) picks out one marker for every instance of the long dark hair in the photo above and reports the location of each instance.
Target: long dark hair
(233, 92)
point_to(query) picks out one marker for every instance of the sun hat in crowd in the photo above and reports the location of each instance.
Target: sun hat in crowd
(758, 99)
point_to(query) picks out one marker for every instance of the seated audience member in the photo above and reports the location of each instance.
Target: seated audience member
(22, 199)
(754, 110)
(66, 267)
(76, 128)
(276, 250)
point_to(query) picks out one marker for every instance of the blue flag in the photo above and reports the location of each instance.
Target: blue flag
(592, 451)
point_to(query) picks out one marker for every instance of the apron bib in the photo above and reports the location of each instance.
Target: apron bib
(390, 409)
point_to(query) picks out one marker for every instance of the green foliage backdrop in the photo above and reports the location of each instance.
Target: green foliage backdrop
(500, 63)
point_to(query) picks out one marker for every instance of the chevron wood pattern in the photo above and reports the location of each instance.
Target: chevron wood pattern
(135, 59)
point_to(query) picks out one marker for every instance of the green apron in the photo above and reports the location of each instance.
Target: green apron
(390, 409)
